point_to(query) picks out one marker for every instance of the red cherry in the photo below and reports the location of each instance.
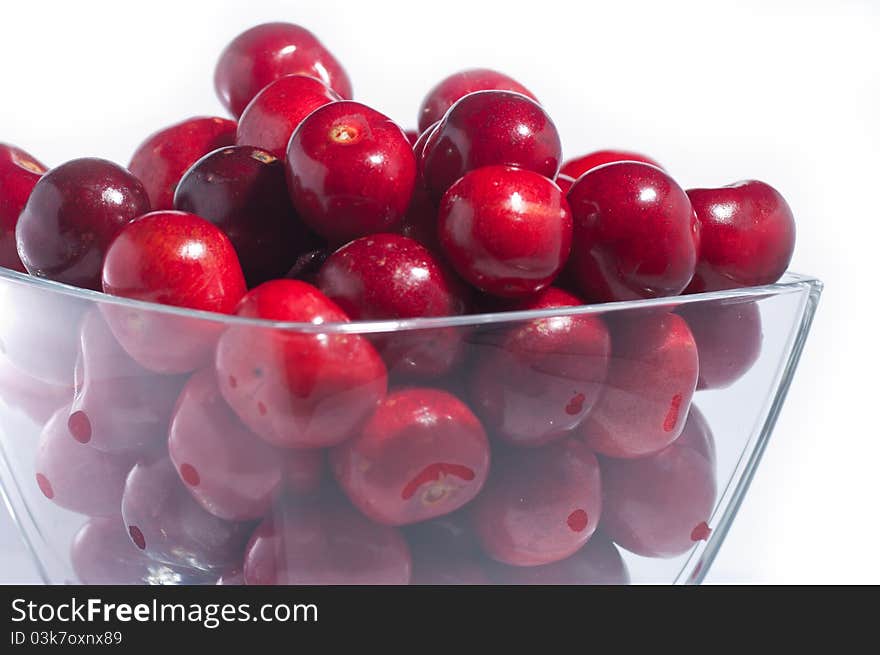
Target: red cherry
(19, 172)
(650, 384)
(539, 506)
(747, 236)
(243, 191)
(276, 111)
(697, 435)
(455, 87)
(325, 543)
(168, 257)
(564, 182)
(635, 234)
(37, 399)
(543, 376)
(72, 215)
(230, 471)
(421, 455)
(489, 128)
(161, 160)
(267, 52)
(295, 388)
(505, 230)
(576, 167)
(302, 471)
(412, 136)
(351, 171)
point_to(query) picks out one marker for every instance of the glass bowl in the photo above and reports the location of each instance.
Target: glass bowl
(581, 445)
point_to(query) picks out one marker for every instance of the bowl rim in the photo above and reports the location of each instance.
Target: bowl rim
(789, 283)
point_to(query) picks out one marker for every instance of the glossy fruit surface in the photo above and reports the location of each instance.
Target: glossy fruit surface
(19, 172)
(72, 215)
(162, 159)
(564, 182)
(576, 167)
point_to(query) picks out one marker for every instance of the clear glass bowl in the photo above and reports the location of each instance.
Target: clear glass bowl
(420, 491)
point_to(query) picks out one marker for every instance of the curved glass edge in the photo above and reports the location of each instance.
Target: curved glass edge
(789, 283)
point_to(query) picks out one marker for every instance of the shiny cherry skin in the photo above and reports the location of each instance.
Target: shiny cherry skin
(162, 159)
(421, 455)
(505, 230)
(307, 265)
(455, 87)
(76, 476)
(166, 257)
(118, 405)
(72, 215)
(243, 191)
(166, 523)
(265, 53)
(489, 128)
(544, 376)
(698, 435)
(35, 398)
(420, 221)
(303, 471)
(747, 236)
(351, 171)
(412, 136)
(275, 112)
(19, 173)
(231, 472)
(635, 233)
(728, 338)
(576, 167)
(298, 389)
(325, 542)
(539, 506)
(650, 384)
(564, 182)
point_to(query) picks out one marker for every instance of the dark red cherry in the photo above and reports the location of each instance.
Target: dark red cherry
(747, 236)
(297, 388)
(539, 506)
(307, 265)
(420, 221)
(635, 234)
(171, 258)
(161, 160)
(697, 435)
(576, 167)
(564, 182)
(412, 136)
(505, 230)
(276, 111)
(267, 52)
(243, 191)
(72, 215)
(450, 533)
(36, 398)
(325, 543)
(650, 384)
(302, 471)
(421, 455)
(230, 471)
(542, 377)
(453, 88)
(351, 171)
(19, 172)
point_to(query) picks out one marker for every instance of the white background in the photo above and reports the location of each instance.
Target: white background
(787, 92)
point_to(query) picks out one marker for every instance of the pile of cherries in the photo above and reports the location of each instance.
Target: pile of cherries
(518, 452)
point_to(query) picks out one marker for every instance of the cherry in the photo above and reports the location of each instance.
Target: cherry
(449, 533)
(697, 435)
(276, 111)
(412, 136)
(543, 376)
(37, 399)
(325, 542)
(635, 234)
(243, 191)
(489, 128)
(302, 471)
(165, 522)
(72, 215)
(76, 476)
(420, 221)
(539, 506)
(747, 236)
(728, 338)
(19, 173)
(505, 230)
(264, 53)
(650, 384)
(432, 566)
(453, 88)
(388, 276)
(421, 455)
(230, 471)
(162, 159)
(117, 404)
(298, 388)
(351, 171)
(166, 257)
(576, 167)
(564, 182)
